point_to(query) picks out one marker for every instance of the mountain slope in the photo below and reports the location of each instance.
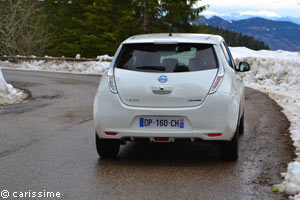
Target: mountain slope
(276, 34)
(239, 16)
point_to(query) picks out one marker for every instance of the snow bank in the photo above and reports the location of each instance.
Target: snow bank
(86, 67)
(8, 94)
(90, 67)
(243, 52)
(277, 73)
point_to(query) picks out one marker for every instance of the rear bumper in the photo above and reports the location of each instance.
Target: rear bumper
(217, 114)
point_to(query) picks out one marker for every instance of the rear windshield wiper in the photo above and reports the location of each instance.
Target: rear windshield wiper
(160, 68)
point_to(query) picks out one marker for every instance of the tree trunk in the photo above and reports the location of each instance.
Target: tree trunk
(146, 22)
(146, 18)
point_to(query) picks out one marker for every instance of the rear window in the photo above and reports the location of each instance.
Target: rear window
(182, 57)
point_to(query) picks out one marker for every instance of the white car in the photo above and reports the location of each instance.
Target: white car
(169, 88)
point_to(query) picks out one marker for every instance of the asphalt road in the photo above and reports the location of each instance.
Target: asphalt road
(47, 144)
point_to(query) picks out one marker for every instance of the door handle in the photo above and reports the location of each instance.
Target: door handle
(162, 89)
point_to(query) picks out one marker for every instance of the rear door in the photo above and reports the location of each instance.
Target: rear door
(165, 75)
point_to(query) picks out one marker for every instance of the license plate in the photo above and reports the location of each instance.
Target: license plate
(161, 122)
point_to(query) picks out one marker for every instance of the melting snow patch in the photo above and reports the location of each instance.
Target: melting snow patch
(8, 94)
(89, 67)
(277, 74)
(104, 58)
(291, 184)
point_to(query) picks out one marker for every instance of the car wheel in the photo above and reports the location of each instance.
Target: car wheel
(241, 125)
(107, 148)
(229, 150)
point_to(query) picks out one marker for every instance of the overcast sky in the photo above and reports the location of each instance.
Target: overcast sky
(269, 7)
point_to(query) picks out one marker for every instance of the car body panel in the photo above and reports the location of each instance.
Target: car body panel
(122, 119)
(181, 90)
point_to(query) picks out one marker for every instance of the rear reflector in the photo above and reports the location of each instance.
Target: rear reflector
(161, 139)
(215, 134)
(111, 133)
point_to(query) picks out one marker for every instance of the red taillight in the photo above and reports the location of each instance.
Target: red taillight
(215, 134)
(218, 79)
(161, 139)
(112, 84)
(111, 133)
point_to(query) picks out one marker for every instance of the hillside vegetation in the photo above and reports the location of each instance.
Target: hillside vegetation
(96, 27)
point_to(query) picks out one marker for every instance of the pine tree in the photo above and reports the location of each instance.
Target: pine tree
(88, 27)
(165, 15)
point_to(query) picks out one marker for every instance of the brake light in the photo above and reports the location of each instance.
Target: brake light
(219, 77)
(111, 133)
(217, 81)
(215, 134)
(111, 81)
(161, 139)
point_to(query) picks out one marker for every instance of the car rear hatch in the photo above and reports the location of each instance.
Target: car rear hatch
(165, 75)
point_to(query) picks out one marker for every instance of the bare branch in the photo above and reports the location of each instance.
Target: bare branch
(23, 29)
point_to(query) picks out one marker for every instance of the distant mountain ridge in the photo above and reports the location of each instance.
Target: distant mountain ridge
(239, 16)
(276, 34)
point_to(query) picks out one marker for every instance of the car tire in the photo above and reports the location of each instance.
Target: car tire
(229, 150)
(107, 148)
(241, 125)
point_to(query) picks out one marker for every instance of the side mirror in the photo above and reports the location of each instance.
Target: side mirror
(243, 67)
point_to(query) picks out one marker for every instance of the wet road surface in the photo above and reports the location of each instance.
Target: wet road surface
(47, 143)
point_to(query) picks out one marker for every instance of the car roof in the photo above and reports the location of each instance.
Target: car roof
(167, 38)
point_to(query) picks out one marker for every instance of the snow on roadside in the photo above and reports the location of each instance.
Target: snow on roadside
(89, 67)
(8, 94)
(277, 73)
